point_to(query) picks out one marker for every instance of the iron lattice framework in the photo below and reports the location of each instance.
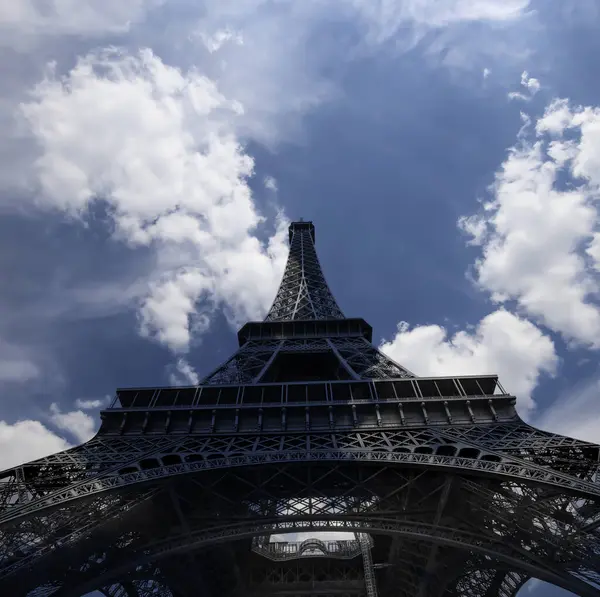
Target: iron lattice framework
(444, 490)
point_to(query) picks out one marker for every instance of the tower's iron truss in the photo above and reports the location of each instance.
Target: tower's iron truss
(308, 428)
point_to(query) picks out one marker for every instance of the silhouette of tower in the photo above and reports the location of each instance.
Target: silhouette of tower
(186, 491)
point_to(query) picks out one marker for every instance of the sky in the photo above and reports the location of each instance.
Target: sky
(154, 151)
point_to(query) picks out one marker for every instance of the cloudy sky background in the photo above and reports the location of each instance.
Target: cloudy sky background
(153, 152)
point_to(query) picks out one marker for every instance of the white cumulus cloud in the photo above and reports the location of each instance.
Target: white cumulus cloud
(502, 343)
(170, 313)
(77, 423)
(582, 154)
(27, 440)
(539, 236)
(166, 160)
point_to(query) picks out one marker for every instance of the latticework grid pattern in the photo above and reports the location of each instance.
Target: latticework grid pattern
(447, 491)
(303, 293)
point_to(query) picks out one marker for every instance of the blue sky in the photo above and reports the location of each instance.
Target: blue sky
(155, 150)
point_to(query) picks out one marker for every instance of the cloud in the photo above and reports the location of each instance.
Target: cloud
(270, 183)
(90, 404)
(16, 365)
(167, 163)
(77, 423)
(593, 250)
(69, 17)
(387, 17)
(581, 155)
(184, 374)
(269, 58)
(25, 441)
(28, 368)
(170, 313)
(475, 227)
(502, 343)
(215, 41)
(540, 243)
(149, 107)
(17, 370)
(272, 58)
(168, 159)
(460, 34)
(531, 86)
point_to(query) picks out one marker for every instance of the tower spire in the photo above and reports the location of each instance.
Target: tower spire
(303, 293)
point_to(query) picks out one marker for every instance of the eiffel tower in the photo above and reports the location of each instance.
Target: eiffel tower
(233, 487)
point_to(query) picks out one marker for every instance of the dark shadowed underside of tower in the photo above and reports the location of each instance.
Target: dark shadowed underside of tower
(186, 491)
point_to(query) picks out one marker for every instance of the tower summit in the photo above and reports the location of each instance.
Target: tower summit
(303, 293)
(442, 490)
(305, 335)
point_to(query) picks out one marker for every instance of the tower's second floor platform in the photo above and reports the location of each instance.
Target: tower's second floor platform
(310, 406)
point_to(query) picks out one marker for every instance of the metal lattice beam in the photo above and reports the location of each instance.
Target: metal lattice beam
(307, 427)
(303, 293)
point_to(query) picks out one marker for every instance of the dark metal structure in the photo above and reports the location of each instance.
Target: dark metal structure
(443, 489)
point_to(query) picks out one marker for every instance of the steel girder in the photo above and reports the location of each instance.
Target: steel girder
(421, 533)
(111, 462)
(389, 500)
(358, 357)
(303, 293)
(137, 588)
(65, 515)
(448, 490)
